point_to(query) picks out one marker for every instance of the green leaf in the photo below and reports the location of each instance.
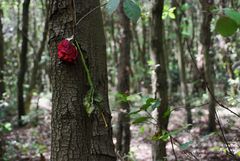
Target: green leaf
(238, 154)
(156, 104)
(167, 113)
(140, 120)
(98, 98)
(142, 129)
(148, 103)
(234, 15)
(135, 112)
(6, 127)
(121, 97)
(226, 26)
(112, 5)
(132, 10)
(88, 102)
(171, 15)
(164, 137)
(185, 146)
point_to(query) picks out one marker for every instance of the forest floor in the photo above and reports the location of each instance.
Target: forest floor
(27, 143)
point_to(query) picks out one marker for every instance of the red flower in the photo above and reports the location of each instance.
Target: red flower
(67, 52)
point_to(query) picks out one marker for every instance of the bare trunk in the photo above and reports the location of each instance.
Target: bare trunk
(205, 44)
(181, 62)
(157, 34)
(35, 69)
(123, 86)
(75, 135)
(2, 89)
(23, 62)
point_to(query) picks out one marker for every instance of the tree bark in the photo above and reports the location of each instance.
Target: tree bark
(157, 42)
(205, 44)
(23, 62)
(75, 135)
(2, 89)
(123, 85)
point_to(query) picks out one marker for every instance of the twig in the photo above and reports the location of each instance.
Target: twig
(92, 10)
(224, 138)
(187, 151)
(174, 153)
(221, 105)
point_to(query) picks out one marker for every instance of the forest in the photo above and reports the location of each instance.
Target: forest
(119, 80)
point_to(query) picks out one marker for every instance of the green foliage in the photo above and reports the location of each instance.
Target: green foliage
(141, 119)
(130, 7)
(226, 26)
(112, 5)
(238, 154)
(132, 10)
(168, 12)
(32, 117)
(5, 127)
(165, 136)
(185, 145)
(234, 15)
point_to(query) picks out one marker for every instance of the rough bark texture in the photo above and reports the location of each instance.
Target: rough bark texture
(205, 44)
(1, 56)
(181, 60)
(157, 34)
(22, 61)
(35, 69)
(123, 85)
(75, 135)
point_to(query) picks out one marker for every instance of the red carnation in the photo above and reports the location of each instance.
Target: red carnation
(67, 52)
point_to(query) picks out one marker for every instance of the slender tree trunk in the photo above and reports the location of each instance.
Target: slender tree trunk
(2, 89)
(115, 52)
(75, 135)
(226, 55)
(205, 44)
(181, 62)
(157, 34)
(1, 77)
(35, 69)
(22, 61)
(123, 85)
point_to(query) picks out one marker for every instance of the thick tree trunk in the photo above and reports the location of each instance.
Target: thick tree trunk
(123, 85)
(1, 56)
(157, 34)
(23, 62)
(205, 44)
(35, 69)
(75, 135)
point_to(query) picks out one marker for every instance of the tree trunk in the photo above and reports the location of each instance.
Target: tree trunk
(123, 85)
(224, 45)
(75, 135)
(2, 89)
(205, 44)
(157, 34)
(35, 69)
(23, 62)
(181, 61)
